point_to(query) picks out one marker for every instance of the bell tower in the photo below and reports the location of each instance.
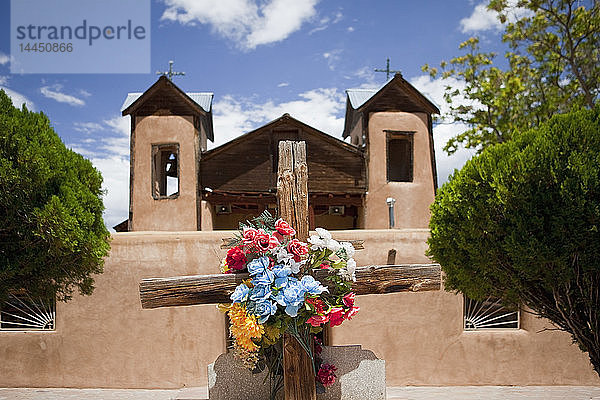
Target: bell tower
(393, 124)
(169, 131)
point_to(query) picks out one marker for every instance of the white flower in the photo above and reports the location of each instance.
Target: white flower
(347, 275)
(286, 258)
(351, 266)
(317, 242)
(323, 233)
(282, 254)
(348, 248)
(332, 245)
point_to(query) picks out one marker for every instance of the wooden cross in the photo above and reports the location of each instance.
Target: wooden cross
(292, 196)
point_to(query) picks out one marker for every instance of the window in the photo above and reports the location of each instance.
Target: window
(399, 156)
(488, 314)
(24, 313)
(165, 171)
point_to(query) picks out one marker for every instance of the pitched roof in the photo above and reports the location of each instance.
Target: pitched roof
(397, 94)
(165, 94)
(359, 98)
(203, 99)
(284, 118)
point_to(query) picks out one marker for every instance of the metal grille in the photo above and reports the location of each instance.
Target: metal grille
(22, 312)
(488, 314)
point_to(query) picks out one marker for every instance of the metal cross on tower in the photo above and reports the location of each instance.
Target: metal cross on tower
(387, 70)
(170, 73)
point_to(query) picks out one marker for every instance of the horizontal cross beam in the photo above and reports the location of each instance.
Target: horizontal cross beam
(214, 289)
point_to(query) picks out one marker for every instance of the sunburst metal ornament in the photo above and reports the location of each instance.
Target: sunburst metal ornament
(488, 314)
(22, 312)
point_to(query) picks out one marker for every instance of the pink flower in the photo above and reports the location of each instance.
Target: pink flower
(297, 248)
(236, 259)
(348, 300)
(284, 228)
(249, 236)
(336, 316)
(351, 312)
(317, 320)
(264, 241)
(326, 374)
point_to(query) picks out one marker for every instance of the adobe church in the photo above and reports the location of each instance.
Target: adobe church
(179, 185)
(376, 186)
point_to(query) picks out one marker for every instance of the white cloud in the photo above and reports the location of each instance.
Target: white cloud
(283, 84)
(482, 19)
(367, 75)
(324, 22)
(350, 29)
(3, 80)
(249, 23)
(17, 98)
(54, 92)
(319, 108)
(109, 154)
(4, 58)
(332, 58)
(88, 127)
(434, 89)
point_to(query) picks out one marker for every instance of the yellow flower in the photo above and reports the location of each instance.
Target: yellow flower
(224, 266)
(244, 327)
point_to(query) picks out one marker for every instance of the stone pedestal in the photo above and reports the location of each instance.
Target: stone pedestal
(360, 375)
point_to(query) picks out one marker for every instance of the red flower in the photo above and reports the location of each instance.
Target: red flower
(284, 228)
(236, 259)
(318, 304)
(351, 312)
(297, 248)
(336, 316)
(348, 300)
(325, 266)
(317, 320)
(326, 374)
(318, 345)
(249, 236)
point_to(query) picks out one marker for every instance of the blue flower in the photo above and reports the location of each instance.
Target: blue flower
(281, 273)
(258, 265)
(260, 293)
(264, 278)
(312, 286)
(264, 310)
(291, 296)
(240, 294)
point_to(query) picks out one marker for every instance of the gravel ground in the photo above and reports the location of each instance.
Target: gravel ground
(394, 393)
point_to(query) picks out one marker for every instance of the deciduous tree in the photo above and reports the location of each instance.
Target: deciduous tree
(552, 65)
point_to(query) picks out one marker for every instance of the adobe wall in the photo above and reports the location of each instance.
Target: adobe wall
(107, 340)
(412, 198)
(179, 213)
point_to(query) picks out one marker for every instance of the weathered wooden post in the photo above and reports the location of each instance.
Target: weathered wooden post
(292, 199)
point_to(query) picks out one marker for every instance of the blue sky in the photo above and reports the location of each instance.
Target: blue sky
(261, 59)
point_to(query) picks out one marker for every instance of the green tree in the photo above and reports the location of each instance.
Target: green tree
(521, 222)
(553, 65)
(52, 236)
